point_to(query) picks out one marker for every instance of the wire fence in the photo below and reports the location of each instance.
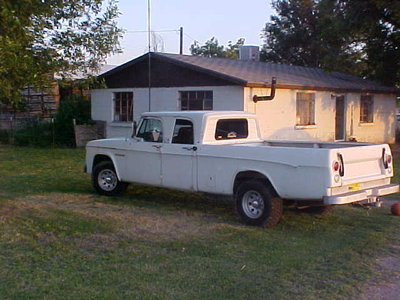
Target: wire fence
(25, 131)
(48, 132)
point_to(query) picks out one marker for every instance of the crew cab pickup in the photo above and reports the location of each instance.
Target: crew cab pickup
(222, 153)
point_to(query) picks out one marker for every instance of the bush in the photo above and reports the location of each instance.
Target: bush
(40, 133)
(74, 108)
(4, 136)
(35, 133)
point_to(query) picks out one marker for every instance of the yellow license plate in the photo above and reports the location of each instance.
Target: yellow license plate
(355, 187)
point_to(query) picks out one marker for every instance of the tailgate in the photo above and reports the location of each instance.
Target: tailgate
(365, 163)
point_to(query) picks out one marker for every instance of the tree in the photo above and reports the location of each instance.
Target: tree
(352, 36)
(213, 49)
(39, 38)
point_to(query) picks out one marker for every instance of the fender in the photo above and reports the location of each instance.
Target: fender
(261, 172)
(110, 156)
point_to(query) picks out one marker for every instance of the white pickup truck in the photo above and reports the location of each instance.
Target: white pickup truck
(222, 153)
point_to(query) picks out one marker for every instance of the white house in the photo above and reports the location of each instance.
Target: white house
(309, 104)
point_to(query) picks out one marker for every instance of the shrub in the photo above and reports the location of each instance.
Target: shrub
(34, 133)
(45, 133)
(75, 108)
(4, 136)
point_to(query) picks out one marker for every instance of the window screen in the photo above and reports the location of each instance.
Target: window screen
(231, 129)
(123, 107)
(305, 109)
(366, 109)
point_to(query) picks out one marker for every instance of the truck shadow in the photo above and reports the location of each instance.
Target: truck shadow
(173, 200)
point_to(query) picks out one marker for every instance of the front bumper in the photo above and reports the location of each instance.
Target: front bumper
(362, 195)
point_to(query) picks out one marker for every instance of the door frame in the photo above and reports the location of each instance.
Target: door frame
(344, 117)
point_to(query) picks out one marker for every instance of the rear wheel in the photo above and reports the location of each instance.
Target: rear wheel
(257, 204)
(105, 180)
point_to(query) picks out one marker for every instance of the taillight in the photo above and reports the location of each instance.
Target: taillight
(386, 158)
(335, 166)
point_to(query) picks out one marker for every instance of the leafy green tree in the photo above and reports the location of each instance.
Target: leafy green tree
(353, 36)
(39, 38)
(308, 33)
(212, 48)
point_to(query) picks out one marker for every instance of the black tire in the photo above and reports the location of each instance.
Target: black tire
(318, 210)
(105, 180)
(257, 204)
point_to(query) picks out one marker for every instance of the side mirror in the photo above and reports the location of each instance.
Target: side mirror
(134, 128)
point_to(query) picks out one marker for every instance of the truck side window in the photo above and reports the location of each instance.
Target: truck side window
(183, 132)
(150, 131)
(227, 129)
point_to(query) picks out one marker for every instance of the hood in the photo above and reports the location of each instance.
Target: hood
(108, 143)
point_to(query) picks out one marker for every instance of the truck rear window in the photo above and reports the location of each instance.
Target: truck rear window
(231, 129)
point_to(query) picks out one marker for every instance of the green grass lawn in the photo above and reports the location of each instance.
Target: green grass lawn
(61, 240)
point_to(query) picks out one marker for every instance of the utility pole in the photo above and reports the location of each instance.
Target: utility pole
(149, 54)
(181, 41)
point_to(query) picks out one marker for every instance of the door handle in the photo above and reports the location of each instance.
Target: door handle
(156, 146)
(193, 148)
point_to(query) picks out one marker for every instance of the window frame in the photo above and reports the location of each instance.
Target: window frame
(161, 137)
(235, 137)
(192, 96)
(366, 109)
(128, 106)
(175, 133)
(300, 104)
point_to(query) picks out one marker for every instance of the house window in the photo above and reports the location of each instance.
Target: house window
(196, 100)
(227, 129)
(123, 107)
(366, 109)
(305, 109)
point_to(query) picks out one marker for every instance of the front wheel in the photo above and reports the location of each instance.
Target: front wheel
(105, 180)
(257, 204)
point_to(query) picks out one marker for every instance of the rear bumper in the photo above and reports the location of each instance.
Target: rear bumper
(361, 195)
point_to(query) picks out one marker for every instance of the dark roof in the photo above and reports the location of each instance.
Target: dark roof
(255, 73)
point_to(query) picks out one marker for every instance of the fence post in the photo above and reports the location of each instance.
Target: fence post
(52, 131)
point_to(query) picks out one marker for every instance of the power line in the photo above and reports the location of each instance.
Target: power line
(145, 31)
(192, 38)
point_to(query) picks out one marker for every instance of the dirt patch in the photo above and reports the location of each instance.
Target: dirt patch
(129, 222)
(387, 285)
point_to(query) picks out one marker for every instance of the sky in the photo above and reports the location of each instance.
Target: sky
(227, 20)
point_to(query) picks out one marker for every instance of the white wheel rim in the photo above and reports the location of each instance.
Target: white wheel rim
(107, 180)
(253, 204)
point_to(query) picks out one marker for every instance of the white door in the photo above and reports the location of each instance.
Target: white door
(144, 158)
(178, 159)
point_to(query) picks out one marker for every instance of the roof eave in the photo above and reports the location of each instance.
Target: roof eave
(234, 80)
(393, 91)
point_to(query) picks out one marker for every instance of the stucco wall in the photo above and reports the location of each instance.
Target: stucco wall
(278, 117)
(384, 126)
(162, 99)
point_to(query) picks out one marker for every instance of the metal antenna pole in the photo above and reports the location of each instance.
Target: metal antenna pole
(181, 41)
(149, 43)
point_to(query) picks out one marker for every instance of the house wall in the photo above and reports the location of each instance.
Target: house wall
(162, 99)
(278, 117)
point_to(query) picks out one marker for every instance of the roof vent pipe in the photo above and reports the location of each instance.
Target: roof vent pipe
(271, 96)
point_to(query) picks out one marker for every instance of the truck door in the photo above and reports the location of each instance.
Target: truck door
(144, 158)
(178, 158)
